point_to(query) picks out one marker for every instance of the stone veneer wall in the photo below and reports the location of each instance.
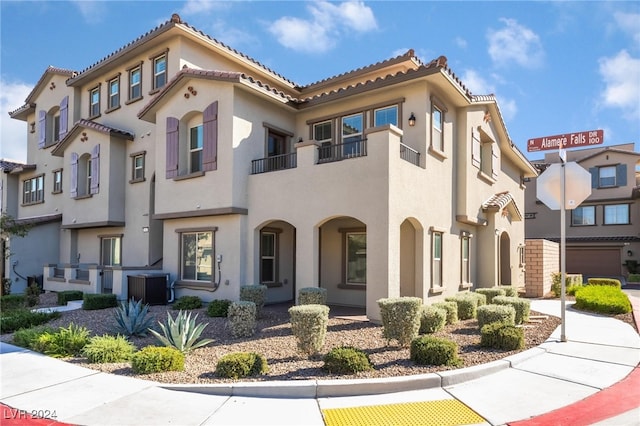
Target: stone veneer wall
(542, 258)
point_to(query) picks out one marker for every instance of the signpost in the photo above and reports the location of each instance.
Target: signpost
(565, 197)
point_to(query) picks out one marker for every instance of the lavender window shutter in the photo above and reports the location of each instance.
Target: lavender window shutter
(95, 170)
(172, 147)
(64, 117)
(74, 175)
(42, 128)
(210, 140)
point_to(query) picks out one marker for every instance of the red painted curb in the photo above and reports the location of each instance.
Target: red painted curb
(16, 417)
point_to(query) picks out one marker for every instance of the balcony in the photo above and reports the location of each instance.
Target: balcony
(276, 162)
(341, 151)
(409, 154)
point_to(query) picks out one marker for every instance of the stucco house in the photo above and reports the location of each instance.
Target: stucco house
(602, 233)
(179, 155)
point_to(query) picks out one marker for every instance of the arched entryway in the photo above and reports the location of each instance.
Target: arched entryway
(276, 260)
(505, 259)
(411, 254)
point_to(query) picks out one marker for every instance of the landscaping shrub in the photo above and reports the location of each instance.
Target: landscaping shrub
(430, 350)
(309, 326)
(490, 293)
(521, 306)
(33, 294)
(26, 336)
(312, 296)
(256, 294)
(131, 318)
(64, 342)
(181, 333)
(467, 306)
(603, 299)
(570, 281)
(99, 301)
(11, 302)
(241, 317)
(154, 359)
(502, 336)
(24, 318)
(634, 278)
(488, 314)
(432, 319)
(346, 360)
(605, 281)
(451, 308)
(241, 364)
(481, 298)
(104, 349)
(509, 290)
(187, 303)
(218, 308)
(68, 295)
(400, 318)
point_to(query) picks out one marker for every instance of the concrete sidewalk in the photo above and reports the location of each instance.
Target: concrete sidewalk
(601, 354)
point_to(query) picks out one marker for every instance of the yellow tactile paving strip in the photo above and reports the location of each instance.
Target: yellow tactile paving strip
(438, 413)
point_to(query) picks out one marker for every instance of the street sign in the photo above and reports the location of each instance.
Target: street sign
(567, 140)
(577, 181)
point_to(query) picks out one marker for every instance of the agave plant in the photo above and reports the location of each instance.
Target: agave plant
(131, 318)
(182, 333)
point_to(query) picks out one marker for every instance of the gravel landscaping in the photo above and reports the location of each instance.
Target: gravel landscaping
(273, 339)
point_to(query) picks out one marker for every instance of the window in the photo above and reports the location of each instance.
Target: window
(437, 141)
(268, 257)
(356, 258)
(135, 83)
(583, 215)
(616, 214)
(56, 127)
(465, 276)
(94, 102)
(607, 176)
(85, 173)
(323, 134)
(159, 71)
(114, 93)
(111, 250)
(57, 181)
(522, 254)
(388, 115)
(137, 167)
(197, 256)
(436, 259)
(33, 190)
(196, 136)
(352, 127)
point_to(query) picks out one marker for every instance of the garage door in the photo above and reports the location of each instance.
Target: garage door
(594, 262)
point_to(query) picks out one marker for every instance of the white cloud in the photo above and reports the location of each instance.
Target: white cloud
(13, 134)
(328, 22)
(621, 76)
(198, 7)
(629, 23)
(460, 42)
(515, 43)
(92, 11)
(478, 85)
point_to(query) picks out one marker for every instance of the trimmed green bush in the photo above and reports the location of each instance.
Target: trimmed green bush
(24, 318)
(400, 318)
(451, 308)
(105, 349)
(68, 295)
(490, 293)
(502, 336)
(603, 299)
(154, 359)
(256, 294)
(241, 364)
(33, 295)
(481, 298)
(12, 301)
(309, 326)
(241, 317)
(570, 281)
(634, 278)
(604, 281)
(346, 360)
(521, 306)
(467, 305)
(488, 314)
(432, 319)
(509, 290)
(312, 296)
(218, 308)
(181, 333)
(185, 303)
(64, 342)
(430, 350)
(26, 336)
(99, 301)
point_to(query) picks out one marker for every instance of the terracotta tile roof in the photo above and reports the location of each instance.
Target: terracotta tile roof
(22, 168)
(39, 220)
(499, 201)
(7, 165)
(58, 150)
(29, 101)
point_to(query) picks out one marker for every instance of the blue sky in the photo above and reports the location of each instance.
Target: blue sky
(555, 67)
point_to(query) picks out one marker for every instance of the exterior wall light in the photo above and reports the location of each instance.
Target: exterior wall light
(629, 253)
(412, 120)
(145, 229)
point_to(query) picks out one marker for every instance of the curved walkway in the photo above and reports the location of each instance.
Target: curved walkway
(542, 386)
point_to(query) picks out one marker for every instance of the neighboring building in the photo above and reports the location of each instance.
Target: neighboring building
(179, 155)
(9, 187)
(603, 233)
